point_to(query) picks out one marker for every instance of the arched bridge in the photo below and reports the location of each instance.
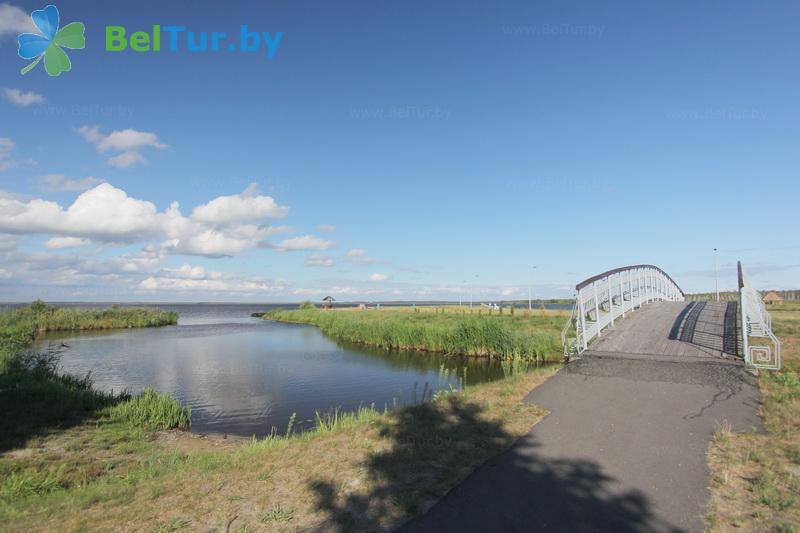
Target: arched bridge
(641, 311)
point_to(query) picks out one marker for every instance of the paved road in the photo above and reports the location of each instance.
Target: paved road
(623, 449)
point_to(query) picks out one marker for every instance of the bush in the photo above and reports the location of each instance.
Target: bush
(152, 410)
(307, 305)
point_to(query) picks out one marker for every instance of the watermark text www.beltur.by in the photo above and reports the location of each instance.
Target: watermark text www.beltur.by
(718, 113)
(554, 30)
(406, 112)
(85, 111)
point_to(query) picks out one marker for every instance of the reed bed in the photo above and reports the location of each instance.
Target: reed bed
(498, 336)
(152, 410)
(36, 397)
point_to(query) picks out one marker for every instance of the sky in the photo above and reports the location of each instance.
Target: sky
(401, 151)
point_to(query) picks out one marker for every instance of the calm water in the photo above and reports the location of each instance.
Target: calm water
(243, 375)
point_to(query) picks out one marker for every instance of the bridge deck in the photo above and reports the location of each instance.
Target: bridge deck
(674, 329)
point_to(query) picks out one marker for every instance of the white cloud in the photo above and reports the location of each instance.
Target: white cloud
(378, 277)
(59, 182)
(14, 20)
(359, 257)
(102, 213)
(319, 261)
(187, 278)
(65, 242)
(508, 291)
(305, 242)
(6, 147)
(222, 227)
(127, 142)
(326, 228)
(126, 159)
(244, 207)
(22, 99)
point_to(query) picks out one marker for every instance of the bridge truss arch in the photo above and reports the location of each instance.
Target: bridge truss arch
(607, 297)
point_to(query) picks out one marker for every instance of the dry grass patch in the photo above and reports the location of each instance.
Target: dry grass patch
(755, 479)
(367, 472)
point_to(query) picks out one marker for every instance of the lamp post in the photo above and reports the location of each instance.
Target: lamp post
(471, 287)
(530, 292)
(716, 277)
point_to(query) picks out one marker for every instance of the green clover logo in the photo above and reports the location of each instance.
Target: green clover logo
(49, 44)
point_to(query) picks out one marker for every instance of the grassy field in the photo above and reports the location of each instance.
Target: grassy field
(452, 330)
(755, 479)
(363, 471)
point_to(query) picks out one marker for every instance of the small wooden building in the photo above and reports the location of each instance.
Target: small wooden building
(327, 302)
(772, 297)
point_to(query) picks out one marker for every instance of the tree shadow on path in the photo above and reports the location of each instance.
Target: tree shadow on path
(514, 491)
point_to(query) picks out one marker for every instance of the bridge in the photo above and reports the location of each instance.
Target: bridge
(640, 311)
(651, 377)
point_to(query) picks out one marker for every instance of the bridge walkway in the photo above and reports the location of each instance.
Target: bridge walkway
(682, 330)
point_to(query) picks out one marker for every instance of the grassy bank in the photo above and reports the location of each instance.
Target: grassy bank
(364, 471)
(755, 479)
(103, 462)
(35, 398)
(450, 330)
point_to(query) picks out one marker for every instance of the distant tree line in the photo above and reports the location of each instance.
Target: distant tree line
(730, 296)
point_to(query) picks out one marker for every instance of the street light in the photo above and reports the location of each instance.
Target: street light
(471, 287)
(716, 277)
(530, 292)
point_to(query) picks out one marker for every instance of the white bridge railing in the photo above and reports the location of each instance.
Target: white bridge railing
(602, 299)
(756, 322)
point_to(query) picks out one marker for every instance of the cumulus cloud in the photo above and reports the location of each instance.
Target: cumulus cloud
(22, 99)
(378, 277)
(326, 228)
(59, 182)
(65, 242)
(102, 213)
(244, 207)
(106, 213)
(305, 242)
(14, 20)
(127, 142)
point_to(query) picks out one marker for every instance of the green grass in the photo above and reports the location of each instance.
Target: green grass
(440, 330)
(34, 396)
(755, 486)
(152, 410)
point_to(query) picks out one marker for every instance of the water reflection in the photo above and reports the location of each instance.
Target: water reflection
(243, 376)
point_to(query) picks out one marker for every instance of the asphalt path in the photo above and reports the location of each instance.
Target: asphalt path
(623, 449)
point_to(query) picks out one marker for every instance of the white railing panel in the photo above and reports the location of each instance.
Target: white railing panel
(603, 299)
(756, 322)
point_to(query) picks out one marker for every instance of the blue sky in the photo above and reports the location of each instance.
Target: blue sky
(402, 151)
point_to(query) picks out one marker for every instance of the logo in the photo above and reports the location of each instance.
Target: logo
(51, 43)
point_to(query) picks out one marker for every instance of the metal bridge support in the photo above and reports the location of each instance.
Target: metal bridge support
(596, 305)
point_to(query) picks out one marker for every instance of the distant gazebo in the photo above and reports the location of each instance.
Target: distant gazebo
(327, 302)
(772, 297)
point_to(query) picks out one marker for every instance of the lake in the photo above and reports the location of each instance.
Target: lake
(244, 376)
